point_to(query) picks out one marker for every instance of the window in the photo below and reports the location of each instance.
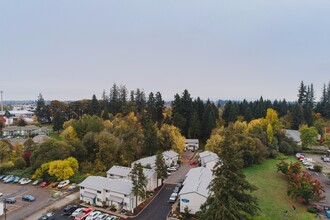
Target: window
(82, 187)
(99, 192)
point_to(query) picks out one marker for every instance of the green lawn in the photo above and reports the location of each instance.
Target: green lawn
(272, 193)
(53, 134)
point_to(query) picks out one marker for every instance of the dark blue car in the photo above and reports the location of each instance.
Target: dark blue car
(28, 198)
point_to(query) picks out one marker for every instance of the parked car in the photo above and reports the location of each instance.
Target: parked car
(69, 209)
(73, 186)
(47, 216)
(102, 216)
(112, 217)
(84, 212)
(16, 179)
(299, 156)
(326, 159)
(54, 185)
(56, 194)
(9, 180)
(193, 163)
(28, 198)
(24, 181)
(2, 176)
(10, 200)
(63, 184)
(176, 189)
(172, 169)
(1, 194)
(7, 177)
(36, 182)
(44, 184)
(76, 212)
(93, 215)
(173, 197)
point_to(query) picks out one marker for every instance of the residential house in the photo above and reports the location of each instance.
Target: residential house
(120, 172)
(191, 144)
(294, 135)
(195, 189)
(27, 131)
(171, 158)
(208, 159)
(102, 191)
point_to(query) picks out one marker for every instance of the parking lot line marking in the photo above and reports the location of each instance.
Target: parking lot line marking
(316, 173)
(324, 175)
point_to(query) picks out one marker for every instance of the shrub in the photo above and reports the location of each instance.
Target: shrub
(313, 210)
(318, 168)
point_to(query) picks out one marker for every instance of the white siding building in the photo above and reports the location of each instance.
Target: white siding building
(194, 191)
(191, 144)
(102, 191)
(171, 158)
(208, 159)
(120, 172)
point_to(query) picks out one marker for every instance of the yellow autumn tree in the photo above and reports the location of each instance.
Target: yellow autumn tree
(214, 143)
(171, 138)
(61, 169)
(69, 134)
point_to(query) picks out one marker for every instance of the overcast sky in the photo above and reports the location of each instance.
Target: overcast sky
(235, 49)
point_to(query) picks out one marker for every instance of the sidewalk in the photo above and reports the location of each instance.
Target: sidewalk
(56, 205)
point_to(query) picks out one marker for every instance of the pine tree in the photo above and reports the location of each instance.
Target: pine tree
(151, 143)
(139, 181)
(58, 121)
(230, 197)
(159, 105)
(94, 106)
(160, 167)
(302, 93)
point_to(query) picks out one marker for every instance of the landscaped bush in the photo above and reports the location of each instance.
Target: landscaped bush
(313, 210)
(318, 168)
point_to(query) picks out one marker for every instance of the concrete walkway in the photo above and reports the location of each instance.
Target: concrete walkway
(56, 205)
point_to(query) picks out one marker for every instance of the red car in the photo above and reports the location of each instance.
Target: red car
(84, 212)
(43, 184)
(193, 163)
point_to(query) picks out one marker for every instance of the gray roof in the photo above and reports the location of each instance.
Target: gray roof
(40, 138)
(119, 170)
(102, 183)
(125, 171)
(294, 134)
(208, 156)
(197, 180)
(147, 160)
(170, 154)
(191, 141)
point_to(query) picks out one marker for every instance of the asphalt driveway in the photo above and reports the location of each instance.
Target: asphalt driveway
(159, 207)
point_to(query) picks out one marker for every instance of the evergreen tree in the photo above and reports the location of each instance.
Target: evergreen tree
(297, 116)
(151, 143)
(160, 167)
(94, 106)
(140, 100)
(302, 93)
(139, 182)
(114, 100)
(230, 113)
(159, 106)
(105, 114)
(58, 121)
(230, 197)
(42, 112)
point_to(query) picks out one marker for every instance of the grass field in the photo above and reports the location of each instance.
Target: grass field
(53, 134)
(272, 193)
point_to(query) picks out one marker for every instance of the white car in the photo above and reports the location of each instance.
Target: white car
(173, 197)
(112, 217)
(63, 184)
(24, 181)
(93, 215)
(102, 216)
(77, 212)
(73, 186)
(172, 169)
(1, 194)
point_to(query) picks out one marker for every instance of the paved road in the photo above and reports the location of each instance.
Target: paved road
(159, 207)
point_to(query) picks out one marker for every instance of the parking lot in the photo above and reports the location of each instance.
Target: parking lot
(22, 209)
